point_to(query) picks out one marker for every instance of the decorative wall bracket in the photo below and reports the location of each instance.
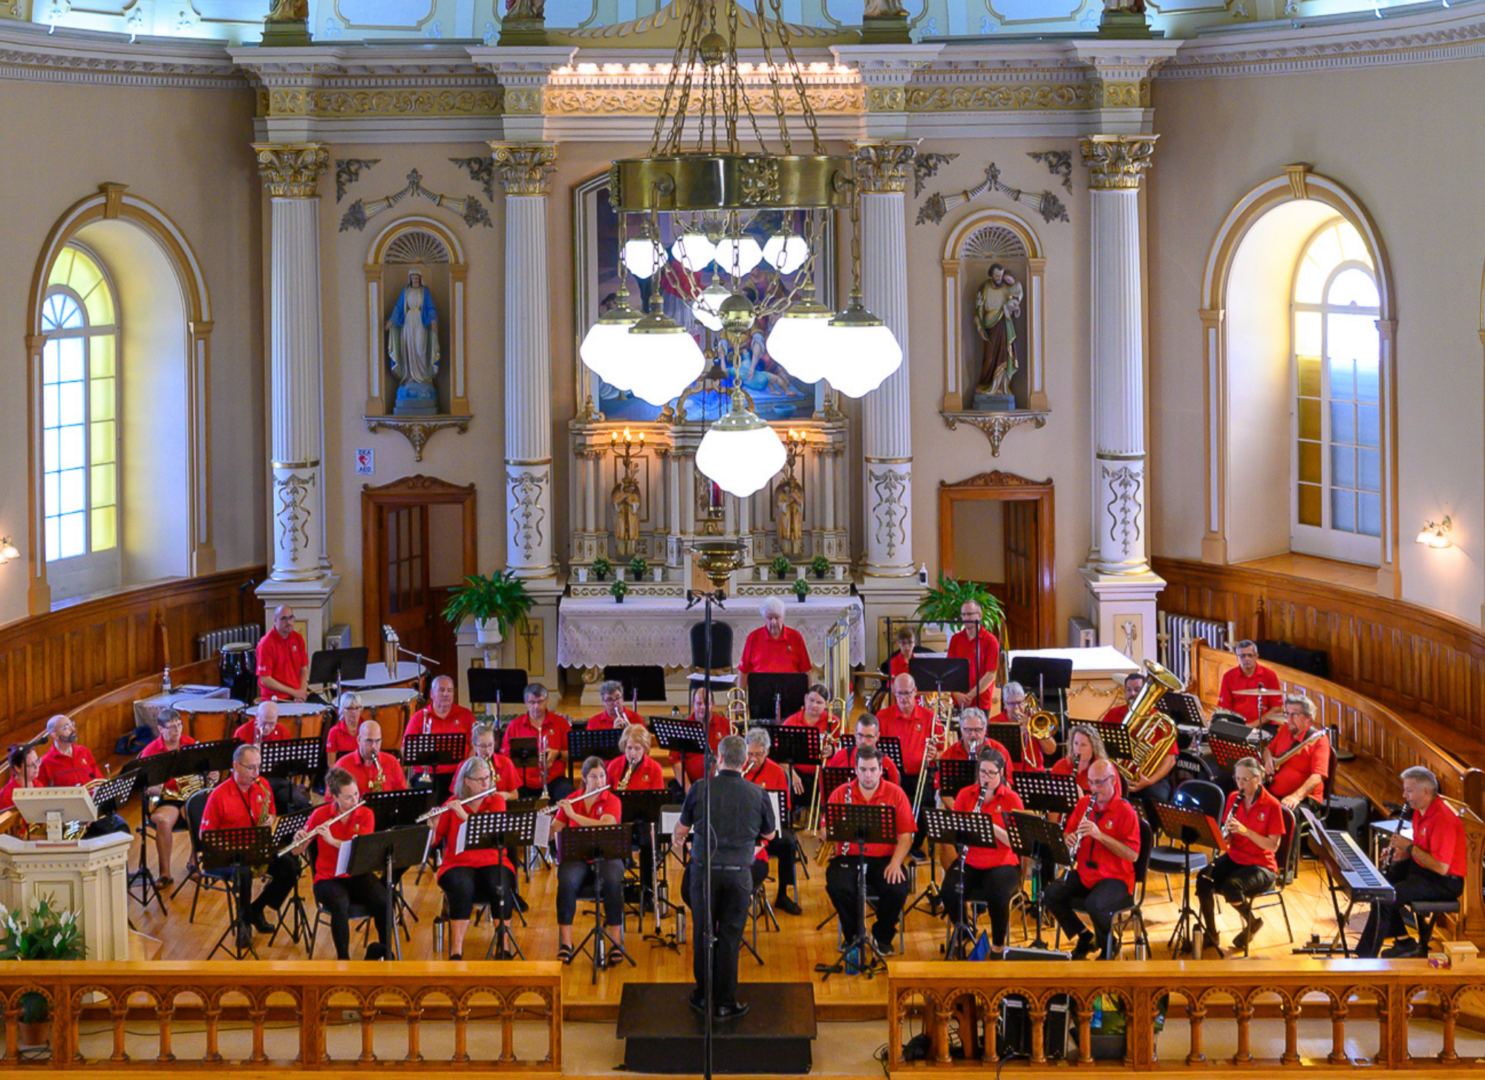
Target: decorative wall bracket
(417, 430)
(996, 425)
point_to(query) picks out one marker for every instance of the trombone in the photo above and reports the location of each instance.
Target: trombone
(835, 730)
(942, 706)
(737, 710)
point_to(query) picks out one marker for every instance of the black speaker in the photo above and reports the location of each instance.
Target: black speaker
(1013, 1034)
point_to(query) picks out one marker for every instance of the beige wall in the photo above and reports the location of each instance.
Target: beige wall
(186, 151)
(1409, 143)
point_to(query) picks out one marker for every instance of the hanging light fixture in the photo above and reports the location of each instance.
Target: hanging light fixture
(786, 254)
(644, 256)
(800, 340)
(694, 251)
(708, 304)
(737, 256)
(661, 358)
(605, 346)
(740, 453)
(860, 350)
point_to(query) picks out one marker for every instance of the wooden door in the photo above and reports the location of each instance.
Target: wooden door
(1019, 591)
(404, 562)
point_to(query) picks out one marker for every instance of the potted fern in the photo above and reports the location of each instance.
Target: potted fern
(942, 604)
(43, 933)
(497, 604)
(619, 588)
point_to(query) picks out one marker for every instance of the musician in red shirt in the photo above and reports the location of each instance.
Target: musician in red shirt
(67, 764)
(283, 660)
(868, 730)
(774, 646)
(770, 776)
(335, 893)
(263, 727)
(886, 874)
(991, 876)
(815, 714)
(611, 693)
(344, 735)
(1431, 866)
(1254, 822)
(371, 767)
(982, 649)
(973, 738)
(166, 810)
(550, 730)
(1250, 675)
(910, 724)
(1086, 748)
(25, 767)
(634, 769)
(441, 716)
(1304, 774)
(482, 745)
(484, 874)
(592, 806)
(906, 641)
(718, 727)
(244, 801)
(1108, 833)
(1134, 682)
(1014, 711)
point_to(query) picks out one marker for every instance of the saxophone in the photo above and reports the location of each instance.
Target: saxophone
(629, 768)
(378, 781)
(264, 814)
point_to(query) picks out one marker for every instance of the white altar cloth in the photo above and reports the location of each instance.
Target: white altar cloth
(645, 630)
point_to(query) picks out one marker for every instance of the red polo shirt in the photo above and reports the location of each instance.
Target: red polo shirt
(340, 741)
(1096, 862)
(983, 858)
(845, 758)
(799, 720)
(1115, 715)
(764, 654)
(647, 775)
(327, 856)
(1313, 759)
(229, 807)
(886, 794)
(246, 733)
(427, 722)
(1265, 818)
(1065, 767)
(507, 776)
(719, 728)
(395, 779)
(67, 770)
(911, 731)
(1245, 706)
(772, 777)
(1439, 832)
(170, 789)
(604, 722)
(281, 658)
(957, 752)
(446, 832)
(983, 655)
(554, 729)
(592, 806)
(7, 795)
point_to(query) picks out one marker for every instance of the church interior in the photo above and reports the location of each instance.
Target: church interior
(543, 356)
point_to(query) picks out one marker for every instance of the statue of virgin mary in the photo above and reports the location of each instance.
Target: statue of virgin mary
(412, 346)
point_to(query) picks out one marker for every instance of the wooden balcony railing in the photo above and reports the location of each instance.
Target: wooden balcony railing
(304, 995)
(1383, 995)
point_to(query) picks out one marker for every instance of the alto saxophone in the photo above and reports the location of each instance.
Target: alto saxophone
(378, 781)
(629, 768)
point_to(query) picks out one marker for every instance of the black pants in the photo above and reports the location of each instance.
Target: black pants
(109, 824)
(732, 900)
(572, 877)
(283, 872)
(994, 887)
(1101, 902)
(1235, 883)
(335, 897)
(781, 847)
(930, 800)
(1159, 791)
(1412, 882)
(466, 885)
(841, 886)
(757, 874)
(557, 790)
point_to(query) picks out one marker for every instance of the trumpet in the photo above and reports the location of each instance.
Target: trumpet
(323, 825)
(736, 707)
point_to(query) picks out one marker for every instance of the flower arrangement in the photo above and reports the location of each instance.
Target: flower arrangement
(43, 933)
(820, 566)
(619, 588)
(801, 589)
(638, 568)
(602, 568)
(780, 567)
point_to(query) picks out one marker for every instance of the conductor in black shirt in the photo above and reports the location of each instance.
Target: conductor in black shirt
(741, 819)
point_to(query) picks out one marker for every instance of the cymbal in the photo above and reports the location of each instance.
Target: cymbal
(1258, 693)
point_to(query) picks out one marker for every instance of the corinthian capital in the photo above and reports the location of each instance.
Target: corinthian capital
(524, 166)
(291, 170)
(1117, 162)
(883, 165)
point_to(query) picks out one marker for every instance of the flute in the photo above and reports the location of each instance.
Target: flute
(437, 810)
(571, 799)
(323, 825)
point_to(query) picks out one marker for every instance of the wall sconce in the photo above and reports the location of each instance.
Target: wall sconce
(1433, 534)
(8, 552)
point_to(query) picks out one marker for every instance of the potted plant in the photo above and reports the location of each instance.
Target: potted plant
(619, 588)
(638, 568)
(941, 605)
(43, 933)
(801, 588)
(780, 567)
(602, 568)
(497, 605)
(820, 566)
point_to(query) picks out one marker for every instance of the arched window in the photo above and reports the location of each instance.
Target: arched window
(1336, 504)
(80, 437)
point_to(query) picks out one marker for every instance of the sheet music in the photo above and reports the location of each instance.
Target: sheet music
(543, 837)
(342, 864)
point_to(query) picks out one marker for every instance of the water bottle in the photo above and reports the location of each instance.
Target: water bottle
(1096, 1024)
(165, 686)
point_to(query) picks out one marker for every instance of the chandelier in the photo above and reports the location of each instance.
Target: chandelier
(745, 208)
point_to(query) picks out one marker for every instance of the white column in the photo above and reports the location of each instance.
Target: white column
(825, 466)
(882, 169)
(523, 168)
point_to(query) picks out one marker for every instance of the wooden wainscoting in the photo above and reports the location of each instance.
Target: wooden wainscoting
(1418, 662)
(58, 661)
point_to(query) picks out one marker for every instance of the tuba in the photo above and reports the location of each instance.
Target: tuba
(1151, 732)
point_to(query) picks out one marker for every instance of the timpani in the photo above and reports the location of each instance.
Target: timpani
(391, 707)
(306, 718)
(378, 677)
(209, 719)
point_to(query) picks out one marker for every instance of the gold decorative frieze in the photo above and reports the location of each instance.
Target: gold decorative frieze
(882, 166)
(984, 98)
(608, 100)
(291, 170)
(1134, 94)
(995, 426)
(886, 99)
(524, 166)
(1117, 162)
(470, 101)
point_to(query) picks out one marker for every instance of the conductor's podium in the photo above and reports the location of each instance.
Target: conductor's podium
(89, 877)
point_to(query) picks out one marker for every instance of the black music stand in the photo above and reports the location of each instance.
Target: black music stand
(964, 830)
(641, 809)
(236, 850)
(642, 682)
(388, 852)
(1183, 708)
(500, 830)
(333, 666)
(793, 745)
(399, 810)
(956, 774)
(1009, 736)
(1115, 740)
(592, 844)
(1044, 673)
(284, 758)
(680, 737)
(829, 778)
(285, 827)
(1190, 828)
(583, 744)
(430, 751)
(497, 685)
(857, 824)
(1048, 792)
(774, 695)
(946, 674)
(1228, 753)
(1031, 837)
(888, 745)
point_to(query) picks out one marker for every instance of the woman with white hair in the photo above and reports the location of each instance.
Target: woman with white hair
(343, 738)
(774, 646)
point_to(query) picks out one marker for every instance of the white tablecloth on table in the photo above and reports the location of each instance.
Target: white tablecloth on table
(1101, 661)
(147, 710)
(643, 630)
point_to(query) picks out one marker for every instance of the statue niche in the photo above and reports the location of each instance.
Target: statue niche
(994, 277)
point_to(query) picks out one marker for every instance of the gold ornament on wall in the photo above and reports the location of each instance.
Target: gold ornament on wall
(1117, 162)
(291, 170)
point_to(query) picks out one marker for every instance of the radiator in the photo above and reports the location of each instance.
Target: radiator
(1177, 632)
(210, 644)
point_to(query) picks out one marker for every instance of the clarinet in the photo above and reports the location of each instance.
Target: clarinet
(542, 747)
(1390, 854)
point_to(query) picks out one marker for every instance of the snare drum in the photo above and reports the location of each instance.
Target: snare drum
(377, 676)
(209, 719)
(306, 718)
(391, 707)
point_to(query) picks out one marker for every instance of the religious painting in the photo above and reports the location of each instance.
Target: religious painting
(775, 393)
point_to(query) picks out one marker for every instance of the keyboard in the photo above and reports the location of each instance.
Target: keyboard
(1354, 872)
